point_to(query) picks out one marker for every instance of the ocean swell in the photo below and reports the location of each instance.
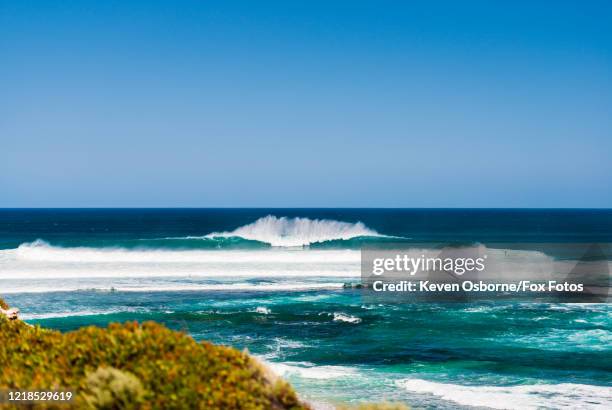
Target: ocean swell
(295, 232)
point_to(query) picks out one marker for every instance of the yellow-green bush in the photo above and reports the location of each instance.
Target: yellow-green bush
(156, 367)
(108, 388)
(3, 304)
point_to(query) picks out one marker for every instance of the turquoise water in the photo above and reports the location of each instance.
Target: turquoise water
(274, 287)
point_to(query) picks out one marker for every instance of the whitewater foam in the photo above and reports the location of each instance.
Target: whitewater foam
(310, 371)
(153, 287)
(296, 232)
(39, 260)
(341, 317)
(40, 250)
(525, 397)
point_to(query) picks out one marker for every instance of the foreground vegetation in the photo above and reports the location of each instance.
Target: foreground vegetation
(132, 366)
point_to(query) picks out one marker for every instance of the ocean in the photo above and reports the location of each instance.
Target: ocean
(273, 281)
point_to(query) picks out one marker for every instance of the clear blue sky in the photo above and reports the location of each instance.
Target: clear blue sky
(231, 103)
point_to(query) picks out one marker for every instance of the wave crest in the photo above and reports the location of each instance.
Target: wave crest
(294, 232)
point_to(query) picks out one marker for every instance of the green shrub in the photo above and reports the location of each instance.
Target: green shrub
(109, 389)
(137, 366)
(3, 304)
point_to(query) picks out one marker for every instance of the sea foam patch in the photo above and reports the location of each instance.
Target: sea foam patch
(40, 260)
(310, 371)
(525, 397)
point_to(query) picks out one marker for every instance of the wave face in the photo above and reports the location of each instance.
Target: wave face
(292, 232)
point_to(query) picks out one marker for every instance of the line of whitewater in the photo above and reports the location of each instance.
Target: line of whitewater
(42, 251)
(152, 287)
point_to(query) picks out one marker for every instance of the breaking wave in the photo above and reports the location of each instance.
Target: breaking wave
(264, 233)
(294, 232)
